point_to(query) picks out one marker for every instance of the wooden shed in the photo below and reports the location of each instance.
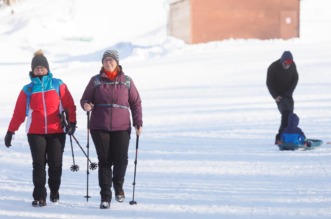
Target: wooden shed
(199, 21)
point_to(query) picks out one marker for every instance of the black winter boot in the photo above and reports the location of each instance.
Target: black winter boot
(104, 205)
(105, 202)
(54, 197)
(277, 139)
(119, 192)
(39, 203)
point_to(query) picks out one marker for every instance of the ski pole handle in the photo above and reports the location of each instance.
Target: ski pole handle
(137, 141)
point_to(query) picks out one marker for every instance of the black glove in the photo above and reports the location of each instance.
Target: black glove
(71, 128)
(8, 138)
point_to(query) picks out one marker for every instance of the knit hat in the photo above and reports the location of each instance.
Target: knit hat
(287, 58)
(111, 53)
(39, 60)
(293, 120)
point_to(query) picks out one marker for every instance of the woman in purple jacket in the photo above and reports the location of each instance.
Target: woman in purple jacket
(111, 96)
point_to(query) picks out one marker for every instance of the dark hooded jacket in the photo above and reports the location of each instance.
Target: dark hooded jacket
(292, 133)
(280, 81)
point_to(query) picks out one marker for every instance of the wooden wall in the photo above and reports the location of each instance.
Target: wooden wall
(197, 21)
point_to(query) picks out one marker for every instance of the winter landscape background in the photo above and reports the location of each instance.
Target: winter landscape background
(209, 122)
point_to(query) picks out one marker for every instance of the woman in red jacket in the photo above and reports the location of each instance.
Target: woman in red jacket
(42, 101)
(111, 96)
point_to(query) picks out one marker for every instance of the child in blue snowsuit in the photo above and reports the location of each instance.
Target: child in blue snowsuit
(292, 133)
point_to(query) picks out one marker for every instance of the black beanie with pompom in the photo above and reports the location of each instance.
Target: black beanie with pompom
(39, 60)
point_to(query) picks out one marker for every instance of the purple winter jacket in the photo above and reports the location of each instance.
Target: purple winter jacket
(113, 101)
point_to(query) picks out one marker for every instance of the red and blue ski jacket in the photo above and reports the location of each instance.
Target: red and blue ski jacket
(41, 104)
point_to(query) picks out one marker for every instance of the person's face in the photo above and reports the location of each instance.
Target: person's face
(109, 64)
(287, 64)
(40, 70)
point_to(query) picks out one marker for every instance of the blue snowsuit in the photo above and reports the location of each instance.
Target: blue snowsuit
(292, 133)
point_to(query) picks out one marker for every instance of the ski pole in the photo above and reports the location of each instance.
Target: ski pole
(74, 167)
(88, 151)
(64, 121)
(133, 202)
(64, 117)
(93, 166)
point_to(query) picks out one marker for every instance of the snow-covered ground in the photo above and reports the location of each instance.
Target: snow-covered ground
(209, 122)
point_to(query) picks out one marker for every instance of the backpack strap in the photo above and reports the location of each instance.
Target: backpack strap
(127, 82)
(98, 82)
(28, 93)
(56, 86)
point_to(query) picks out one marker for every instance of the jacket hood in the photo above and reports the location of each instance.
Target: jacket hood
(293, 120)
(287, 55)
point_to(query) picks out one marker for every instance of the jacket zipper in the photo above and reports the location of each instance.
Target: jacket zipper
(44, 105)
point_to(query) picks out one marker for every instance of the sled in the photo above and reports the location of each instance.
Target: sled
(309, 145)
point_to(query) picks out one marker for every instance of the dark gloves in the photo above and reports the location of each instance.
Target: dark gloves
(8, 138)
(71, 128)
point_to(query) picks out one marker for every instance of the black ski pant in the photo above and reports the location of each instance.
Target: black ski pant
(112, 150)
(285, 107)
(46, 148)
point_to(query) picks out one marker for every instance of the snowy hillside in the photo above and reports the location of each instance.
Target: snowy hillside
(209, 122)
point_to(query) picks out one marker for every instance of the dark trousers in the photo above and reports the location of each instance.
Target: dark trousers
(46, 149)
(112, 150)
(285, 107)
